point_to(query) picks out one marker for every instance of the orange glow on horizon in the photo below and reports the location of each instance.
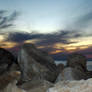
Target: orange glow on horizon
(55, 52)
(32, 41)
(8, 44)
(40, 47)
(78, 44)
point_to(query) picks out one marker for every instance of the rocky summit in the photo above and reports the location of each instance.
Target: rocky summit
(35, 71)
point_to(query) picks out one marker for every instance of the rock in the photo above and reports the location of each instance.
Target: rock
(6, 60)
(71, 74)
(12, 88)
(72, 86)
(36, 64)
(8, 78)
(14, 67)
(8, 82)
(89, 74)
(60, 67)
(36, 86)
(77, 61)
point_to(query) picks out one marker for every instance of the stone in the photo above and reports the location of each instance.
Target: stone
(71, 74)
(60, 67)
(89, 74)
(14, 67)
(8, 78)
(78, 61)
(72, 86)
(36, 86)
(36, 64)
(6, 60)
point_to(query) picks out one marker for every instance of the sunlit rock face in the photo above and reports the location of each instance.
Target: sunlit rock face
(72, 86)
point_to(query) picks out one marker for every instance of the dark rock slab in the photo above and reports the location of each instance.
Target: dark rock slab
(36, 64)
(6, 60)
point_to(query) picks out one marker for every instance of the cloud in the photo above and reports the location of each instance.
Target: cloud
(19, 37)
(81, 23)
(45, 39)
(84, 21)
(7, 20)
(57, 44)
(46, 42)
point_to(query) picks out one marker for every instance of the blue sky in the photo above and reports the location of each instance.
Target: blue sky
(46, 15)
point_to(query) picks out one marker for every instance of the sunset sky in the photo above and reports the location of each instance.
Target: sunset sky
(57, 26)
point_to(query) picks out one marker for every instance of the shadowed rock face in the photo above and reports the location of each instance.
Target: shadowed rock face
(76, 68)
(77, 61)
(6, 60)
(60, 67)
(36, 64)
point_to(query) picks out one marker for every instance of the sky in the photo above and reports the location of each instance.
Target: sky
(57, 26)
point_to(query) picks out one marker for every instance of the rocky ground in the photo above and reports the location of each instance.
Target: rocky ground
(72, 86)
(35, 71)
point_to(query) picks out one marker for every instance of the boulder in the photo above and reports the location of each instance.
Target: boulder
(36, 64)
(6, 60)
(60, 67)
(71, 74)
(8, 78)
(36, 86)
(78, 61)
(89, 74)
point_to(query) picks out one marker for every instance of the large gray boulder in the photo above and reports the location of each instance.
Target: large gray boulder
(78, 61)
(76, 68)
(71, 74)
(36, 64)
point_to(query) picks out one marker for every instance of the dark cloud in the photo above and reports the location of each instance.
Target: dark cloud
(2, 12)
(44, 39)
(19, 37)
(84, 21)
(86, 18)
(7, 20)
(48, 40)
(80, 23)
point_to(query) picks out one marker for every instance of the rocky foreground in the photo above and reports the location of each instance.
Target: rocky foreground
(34, 70)
(72, 86)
